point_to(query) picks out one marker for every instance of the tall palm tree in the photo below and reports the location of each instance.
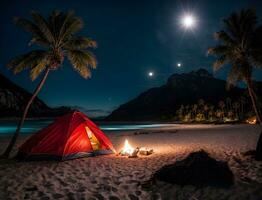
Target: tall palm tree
(241, 47)
(57, 39)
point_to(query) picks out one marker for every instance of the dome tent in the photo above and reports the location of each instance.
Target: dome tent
(70, 136)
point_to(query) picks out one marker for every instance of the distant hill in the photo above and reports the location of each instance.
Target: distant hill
(180, 89)
(13, 98)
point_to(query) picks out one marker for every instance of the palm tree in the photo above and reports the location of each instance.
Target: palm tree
(242, 102)
(206, 109)
(195, 108)
(201, 102)
(221, 104)
(236, 106)
(56, 37)
(229, 103)
(241, 47)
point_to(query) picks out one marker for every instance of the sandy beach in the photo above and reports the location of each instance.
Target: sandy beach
(115, 177)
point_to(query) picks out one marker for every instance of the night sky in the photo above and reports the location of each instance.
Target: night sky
(134, 38)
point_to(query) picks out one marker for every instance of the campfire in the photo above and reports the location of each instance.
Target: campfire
(132, 152)
(128, 149)
(252, 120)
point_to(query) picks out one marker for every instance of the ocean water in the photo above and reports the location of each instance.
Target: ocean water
(9, 127)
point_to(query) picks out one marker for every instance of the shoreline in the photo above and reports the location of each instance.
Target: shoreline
(128, 122)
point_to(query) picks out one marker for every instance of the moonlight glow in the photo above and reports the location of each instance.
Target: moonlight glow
(188, 21)
(179, 65)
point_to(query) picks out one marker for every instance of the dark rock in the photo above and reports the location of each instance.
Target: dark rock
(197, 169)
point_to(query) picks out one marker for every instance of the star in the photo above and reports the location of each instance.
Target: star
(150, 74)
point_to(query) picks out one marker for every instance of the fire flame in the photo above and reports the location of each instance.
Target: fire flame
(127, 148)
(252, 120)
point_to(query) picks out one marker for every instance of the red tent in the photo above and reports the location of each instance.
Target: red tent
(70, 136)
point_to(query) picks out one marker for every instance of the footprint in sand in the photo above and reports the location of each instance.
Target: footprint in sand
(132, 181)
(105, 187)
(113, 198)
(87, 173)
(125, 186)
(57, 196)
(99, 196)
(114, 189)
(117, 182)
(133, 197)
(44, 198)
(81, 189)
(138, 193)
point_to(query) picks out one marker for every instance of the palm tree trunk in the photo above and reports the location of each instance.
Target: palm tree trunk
(242, 110)
(258, 154)
(21, 122)
(253, 99)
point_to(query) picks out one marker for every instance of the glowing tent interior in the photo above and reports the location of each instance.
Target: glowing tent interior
(70, 136)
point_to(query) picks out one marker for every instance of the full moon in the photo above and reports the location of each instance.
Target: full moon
(150, 74)
(188, 21)
(179, 65)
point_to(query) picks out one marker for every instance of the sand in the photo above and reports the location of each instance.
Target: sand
(115, 177)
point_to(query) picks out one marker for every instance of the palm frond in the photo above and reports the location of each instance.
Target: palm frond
(220, 62)
(80, 43)
(57, 35)
(232, 25)
(37, 36)
(240, 45)
(64, 19)
(233, 77)
(218, 50)
(256, 51)
(225, 38)
(52, 22)
(73, 25)
(248, 20)
(82, 60)
(36, 71)
(43, 26)
(27, 61)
